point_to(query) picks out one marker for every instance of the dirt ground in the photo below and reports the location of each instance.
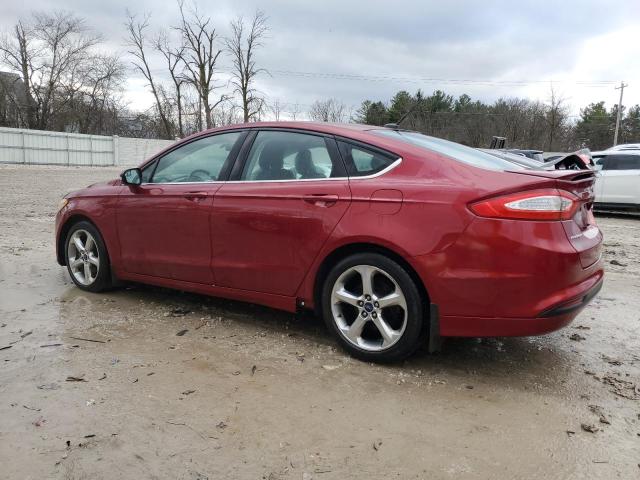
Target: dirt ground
(249, 392)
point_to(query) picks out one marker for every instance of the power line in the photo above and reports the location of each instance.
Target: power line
(417, 79)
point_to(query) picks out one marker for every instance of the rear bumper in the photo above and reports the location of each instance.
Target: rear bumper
(550, 320)
(511, 278)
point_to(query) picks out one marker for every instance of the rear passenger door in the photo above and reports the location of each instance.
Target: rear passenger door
(620, 179)
(285, 196)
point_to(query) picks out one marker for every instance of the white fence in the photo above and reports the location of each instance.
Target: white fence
(36, 147)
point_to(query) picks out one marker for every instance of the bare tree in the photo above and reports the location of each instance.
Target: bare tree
(102, 81)
(295, 111)
(227, 113)
(136, 39)
(18, 53)
(200, 56)
(66, 43)
(556, 117)
(276, 109)
(47, 51)
(174, 58)
(242, 45)
(330, 110)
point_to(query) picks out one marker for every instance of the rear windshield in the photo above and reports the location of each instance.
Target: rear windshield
(454, 150)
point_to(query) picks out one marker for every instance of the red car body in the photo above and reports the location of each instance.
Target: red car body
(271, 242)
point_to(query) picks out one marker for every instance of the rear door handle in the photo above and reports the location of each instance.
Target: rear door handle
(195, 196)
(321, 199)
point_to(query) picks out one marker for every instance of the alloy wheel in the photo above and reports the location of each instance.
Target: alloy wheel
(83, 257)
(369, 308)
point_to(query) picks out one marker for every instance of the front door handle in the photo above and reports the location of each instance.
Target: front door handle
(195, 196)
(321, 199)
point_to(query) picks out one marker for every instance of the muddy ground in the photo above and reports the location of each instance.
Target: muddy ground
(248, 392)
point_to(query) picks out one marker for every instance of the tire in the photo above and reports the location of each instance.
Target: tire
(382, 323)
(89, 268)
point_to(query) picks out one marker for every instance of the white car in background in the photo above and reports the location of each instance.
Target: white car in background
(618, 184)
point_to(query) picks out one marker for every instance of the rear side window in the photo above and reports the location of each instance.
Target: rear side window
(454, 150)
(362, 161)
(277, 155)
(621, 162)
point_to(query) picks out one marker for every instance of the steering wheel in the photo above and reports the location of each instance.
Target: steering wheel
(199, 175)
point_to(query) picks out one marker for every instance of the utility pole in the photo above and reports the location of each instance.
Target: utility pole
(615, 135)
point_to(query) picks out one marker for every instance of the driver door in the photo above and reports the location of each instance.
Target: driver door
(164, 224)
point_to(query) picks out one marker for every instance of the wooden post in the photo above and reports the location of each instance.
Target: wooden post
(116, 150)
(91, 150)
(24, 151)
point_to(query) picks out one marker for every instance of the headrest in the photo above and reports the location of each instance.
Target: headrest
(303, 157)
(272, 157)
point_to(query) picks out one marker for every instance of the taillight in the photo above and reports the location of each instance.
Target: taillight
(547, 204)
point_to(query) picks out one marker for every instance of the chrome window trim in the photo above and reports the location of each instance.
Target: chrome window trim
(385, 170)
(184, 183)
(365, 177)
(393, 165)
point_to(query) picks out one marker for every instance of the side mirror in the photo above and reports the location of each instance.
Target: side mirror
(597, 167)
(132, 176)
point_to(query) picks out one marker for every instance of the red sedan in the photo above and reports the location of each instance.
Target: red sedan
(395, 238)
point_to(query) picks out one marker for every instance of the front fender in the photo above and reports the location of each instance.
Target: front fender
(100, 211)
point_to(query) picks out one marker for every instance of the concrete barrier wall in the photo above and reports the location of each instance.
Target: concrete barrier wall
(36, 147)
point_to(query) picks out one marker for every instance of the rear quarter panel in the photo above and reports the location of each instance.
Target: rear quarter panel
(418, 209)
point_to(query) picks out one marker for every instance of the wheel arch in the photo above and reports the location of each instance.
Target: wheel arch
(363, 247)
(64, 231)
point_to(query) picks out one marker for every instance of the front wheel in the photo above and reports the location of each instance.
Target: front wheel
(374, 307)
(86, 258)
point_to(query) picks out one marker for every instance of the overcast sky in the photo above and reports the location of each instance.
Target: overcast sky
(485, 49)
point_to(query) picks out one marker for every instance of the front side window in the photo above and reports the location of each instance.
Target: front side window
(362, 161)
(279, 155)
(199, 161)
(147, 171)
(600, 162)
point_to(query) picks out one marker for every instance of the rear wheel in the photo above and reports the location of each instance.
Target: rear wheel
(86, 258)
(374, 307)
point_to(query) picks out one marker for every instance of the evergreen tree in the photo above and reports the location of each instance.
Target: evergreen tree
(372, 113)
(596, 126)
(400, 104)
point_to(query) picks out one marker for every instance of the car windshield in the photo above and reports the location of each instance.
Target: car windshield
(454, 150)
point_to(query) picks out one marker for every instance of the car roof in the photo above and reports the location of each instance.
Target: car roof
(625, 146)
(353, 131)
(322, 127)
(604, 153)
